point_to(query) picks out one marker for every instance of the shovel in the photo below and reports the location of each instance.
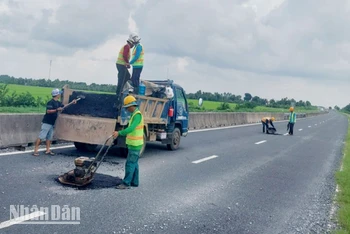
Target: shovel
(79, 97)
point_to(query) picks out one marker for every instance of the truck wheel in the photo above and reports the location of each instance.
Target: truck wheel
(144, 145)
(85, 147)
(90, 147)
(175, 140)
(123, 152)
(79, 146)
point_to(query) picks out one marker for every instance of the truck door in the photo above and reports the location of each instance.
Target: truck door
(181, 109)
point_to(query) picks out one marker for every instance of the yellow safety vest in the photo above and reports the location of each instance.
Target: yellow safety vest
(135, 138)
(264, 119)
(121, 58)
(139, 61)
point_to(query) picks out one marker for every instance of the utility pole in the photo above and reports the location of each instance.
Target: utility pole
(50, 69)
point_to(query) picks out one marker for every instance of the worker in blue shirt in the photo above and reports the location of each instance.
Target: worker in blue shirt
(137, 63)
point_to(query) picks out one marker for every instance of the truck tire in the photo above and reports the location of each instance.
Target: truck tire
(84, 147)
(175, 140)
(90, 147)
(79, 146)
(144, 145)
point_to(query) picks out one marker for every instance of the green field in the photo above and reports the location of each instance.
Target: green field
(35, 90)
(44, 92)
(212, 106)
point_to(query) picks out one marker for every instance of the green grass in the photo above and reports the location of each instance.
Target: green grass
(44, 92)
(37, 91)
(212, 106)
(33, 90)
(11, 109)
(343, 196)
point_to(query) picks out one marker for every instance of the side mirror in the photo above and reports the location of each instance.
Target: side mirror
(200, 102)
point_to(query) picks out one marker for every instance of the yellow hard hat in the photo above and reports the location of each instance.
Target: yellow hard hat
(130, 101)
(291, 108)
(273, 118)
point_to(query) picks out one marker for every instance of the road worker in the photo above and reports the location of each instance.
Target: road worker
(123, 64)
(266, 121)
(134, 141)
(136, 62)
(53, 107)
(292, 120)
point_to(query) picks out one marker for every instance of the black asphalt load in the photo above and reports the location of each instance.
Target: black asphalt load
(283, 185)
(93, 104)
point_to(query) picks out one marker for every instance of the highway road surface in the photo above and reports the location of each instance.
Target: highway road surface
(232, 180)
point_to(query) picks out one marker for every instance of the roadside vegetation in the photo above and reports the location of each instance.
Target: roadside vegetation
(27, 95)
(343, 181)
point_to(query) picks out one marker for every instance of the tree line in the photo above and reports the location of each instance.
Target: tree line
(248, 100)
(57, 83)
(26, 99)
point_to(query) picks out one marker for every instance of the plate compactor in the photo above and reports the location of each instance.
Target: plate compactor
(85, 168)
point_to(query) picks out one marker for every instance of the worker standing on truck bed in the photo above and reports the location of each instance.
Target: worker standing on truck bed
(48, 122)
(136, 62)
(123, 65)
(134, 141)
(265, 122)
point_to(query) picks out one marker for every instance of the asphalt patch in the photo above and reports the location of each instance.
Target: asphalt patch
(100, 181)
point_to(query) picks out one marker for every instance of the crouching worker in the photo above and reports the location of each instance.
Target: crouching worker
(134, 142)
(265, 122)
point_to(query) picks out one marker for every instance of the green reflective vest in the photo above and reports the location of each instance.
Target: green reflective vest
(121, 58)
(292, 117)
(135, 138)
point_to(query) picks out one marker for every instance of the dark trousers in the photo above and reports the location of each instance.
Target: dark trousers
(123, 77)
(291, 128)
(135, 78)
(266, 125)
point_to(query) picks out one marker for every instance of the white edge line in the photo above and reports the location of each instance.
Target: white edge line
(260, 142)
(51, 222)
(205, 159)
(29, 151)
(21, 219)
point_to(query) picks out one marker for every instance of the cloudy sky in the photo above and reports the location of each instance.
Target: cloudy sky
(270, 48)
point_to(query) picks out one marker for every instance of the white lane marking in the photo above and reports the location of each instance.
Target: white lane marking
(21, 219)
(309, 126)
(31, 151)
(221, 128)
(238, 126)
(315, 124)
(260, 142)
(205, 159)
(300, 129)
(286, 134)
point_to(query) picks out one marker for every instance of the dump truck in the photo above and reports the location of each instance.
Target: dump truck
(92, 120)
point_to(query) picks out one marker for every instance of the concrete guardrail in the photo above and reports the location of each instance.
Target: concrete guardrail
(21, 130)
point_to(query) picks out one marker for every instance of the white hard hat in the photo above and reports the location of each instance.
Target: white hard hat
(134, 37)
